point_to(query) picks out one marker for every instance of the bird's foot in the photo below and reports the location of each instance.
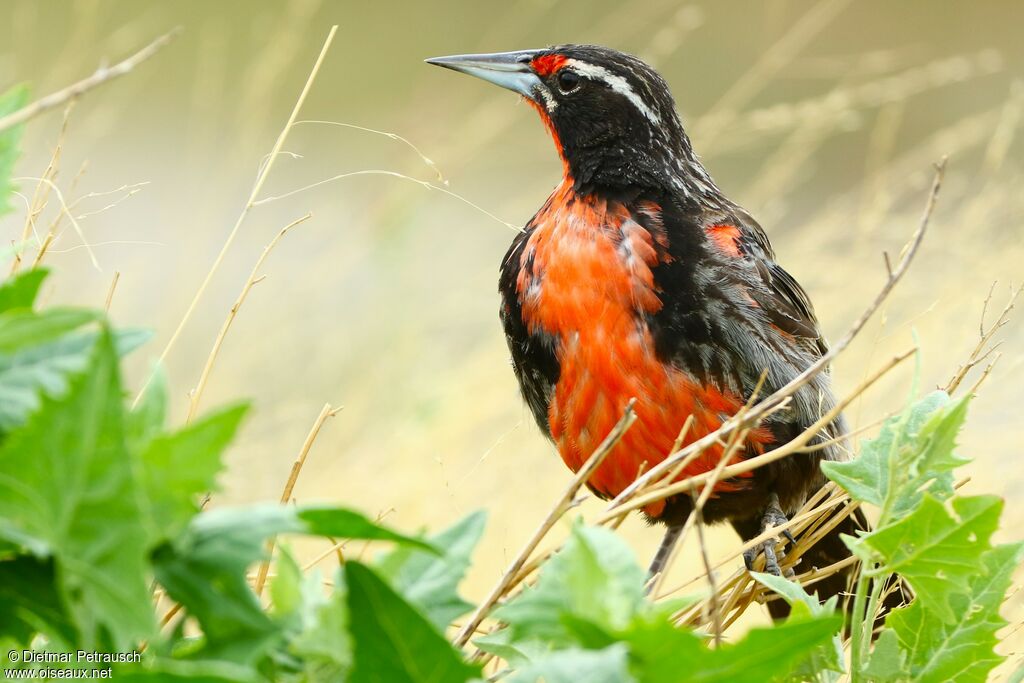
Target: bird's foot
(773, 517)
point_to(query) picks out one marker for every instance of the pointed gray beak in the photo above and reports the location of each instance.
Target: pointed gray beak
(508, 69)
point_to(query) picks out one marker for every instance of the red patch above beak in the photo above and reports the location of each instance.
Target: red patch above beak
(545, 65)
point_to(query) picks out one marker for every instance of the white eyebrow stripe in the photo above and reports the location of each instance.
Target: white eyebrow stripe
(616, 83)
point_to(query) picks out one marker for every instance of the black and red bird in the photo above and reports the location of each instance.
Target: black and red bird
(640, 278)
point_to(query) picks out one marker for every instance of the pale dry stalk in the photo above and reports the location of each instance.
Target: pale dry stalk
(293, 476)
(254, 277)
(98, 77)
(249, 204)
(507, 580)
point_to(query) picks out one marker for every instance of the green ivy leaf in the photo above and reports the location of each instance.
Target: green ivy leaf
(68, 492)
(594, 578)
(10, 102)
(935, 552)
(393, 641)
(177, 468)
(21, 290)
(430, 581)
(961, 650)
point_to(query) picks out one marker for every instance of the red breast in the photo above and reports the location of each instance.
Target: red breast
(590, 284)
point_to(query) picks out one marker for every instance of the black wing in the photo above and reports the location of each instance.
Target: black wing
(533, 354)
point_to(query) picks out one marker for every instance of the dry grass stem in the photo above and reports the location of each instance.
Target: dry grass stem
(110, 291)
(651, 494)
(393, 174)
(41, 193)
(65, 211)
(713, 607)
(982, 350)
(293, 476)
(100, 76)
(564, 504)
(257, 187)
(254, 277)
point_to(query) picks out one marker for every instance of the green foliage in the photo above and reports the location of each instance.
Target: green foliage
(40, 351)
(97, 502)
(589, 609)
(826, 661)
(430, 581)
(962, 649)
(913, 454)
(10, 101)
(68, 494)
(933, 550)
(937, 541)
(393, 641)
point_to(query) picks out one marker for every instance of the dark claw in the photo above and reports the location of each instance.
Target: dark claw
(773, 517)
(771, 562)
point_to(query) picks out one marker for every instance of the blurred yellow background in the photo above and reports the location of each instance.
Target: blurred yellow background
(821, 118)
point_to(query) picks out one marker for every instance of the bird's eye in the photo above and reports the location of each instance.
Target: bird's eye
(568, 81)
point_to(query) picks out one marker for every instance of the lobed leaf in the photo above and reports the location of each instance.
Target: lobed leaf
(594, 578)
(393, 641)
(20, 291)
(935, 552)
(67, 491)
(913, 454)
(175, 469)
(429, 580)
(204, 569)
(963, 649)
(46, 367)
(609, 665)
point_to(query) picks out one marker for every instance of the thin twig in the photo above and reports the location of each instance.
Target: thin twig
(787, 449)
(110, 292)
(982, 348)
(293, 476)
(561, 507)
(713, 606)
(99, 77)
(257, 187)
(254, 277)
(42, 192)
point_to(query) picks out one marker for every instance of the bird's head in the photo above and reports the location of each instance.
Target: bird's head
(611, 115)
